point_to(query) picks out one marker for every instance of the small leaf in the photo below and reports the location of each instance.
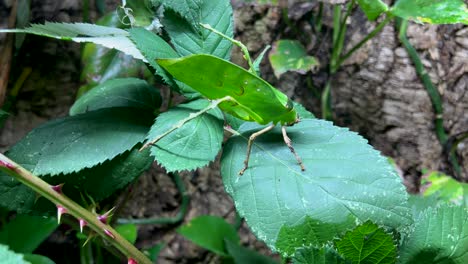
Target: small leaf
(444, 187)
(439, 235)
(153, 252)
(9, 257)
(335, 192)
(188, 39)
(109, 37)
(373, 8)
(73, 143)
(25, 233)
(242, 255)
(432, 11)
(210, 232)
(128, 92)
(128, 231)
(193, 145)
(312, 255)
(290, 55)
(367, 243)
(38, 259)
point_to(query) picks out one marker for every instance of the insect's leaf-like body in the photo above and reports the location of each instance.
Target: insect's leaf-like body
(253, 98)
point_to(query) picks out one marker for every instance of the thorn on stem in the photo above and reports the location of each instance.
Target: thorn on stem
(132, 261)
(83, 223)
(6, 165)
(60, 211)
(109, 233)
(57, 188)
(104, 217)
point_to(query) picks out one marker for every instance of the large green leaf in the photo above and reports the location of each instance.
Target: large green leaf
(100, 182)
(188, 9)
(38, 259)
(25, 233)
(210, 232)
(373, 8)
(193, 145)
(367, 243)
(73, 143)
(242, 255)
(9, 257)
(439, 235)
(432, 11)
(109, 37)
(128, 92)
(346, 182)
(290, 55)
(189, 39)
(313, 255)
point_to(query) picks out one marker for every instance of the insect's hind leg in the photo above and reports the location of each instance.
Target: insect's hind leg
(287, 140)
(249, 145)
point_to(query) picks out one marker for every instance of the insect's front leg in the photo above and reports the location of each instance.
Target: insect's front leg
(249, 145)
(287, 140)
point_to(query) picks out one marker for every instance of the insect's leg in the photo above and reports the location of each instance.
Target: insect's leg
(287, 140)
(249, 145)
(213, 104)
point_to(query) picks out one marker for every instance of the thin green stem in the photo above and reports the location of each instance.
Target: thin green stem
(338, 38)
(372, 34)
(432, 91)
(235, 42)
(326, 102)
(72, 208)
(318, 21)
(165, 220)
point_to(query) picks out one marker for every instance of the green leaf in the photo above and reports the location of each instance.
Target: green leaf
(154, 47)
(367, 243)
(140, 13)
(38, 259)
(109, 37)
(187, 9)
(9, 257)
(290, 55)
(101, 64)
(210, 232)
(189, 39)
(445, 188)
(432, 11)
(439, 235)
(194, 144)
(242, 255)
(25, 233)
(153, 252)
(83, 141)
(373, 8)
(334, 193)
(312, 255)
(128, 92)
(128, 231)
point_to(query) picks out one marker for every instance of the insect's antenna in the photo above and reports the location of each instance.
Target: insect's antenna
(235, 42)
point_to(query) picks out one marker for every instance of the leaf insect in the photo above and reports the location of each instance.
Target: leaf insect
(235, 91)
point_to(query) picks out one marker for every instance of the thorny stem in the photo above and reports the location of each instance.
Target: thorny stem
(235, 42)
(43, 188)
(165, 220)
(431, 91)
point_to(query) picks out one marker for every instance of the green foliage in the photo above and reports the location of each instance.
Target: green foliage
(373, 8)
(290, 55)
(128, 231)
(439, 235)
(194, 144)
(335, 190)
(445, 188)
(37, 259)
(59, 146)
(101, 64)
(242, 255)
(432, 11)
(31, 230)
(367, 243)
(128, 92)
(186, 35)
(9, 257)
(313, 255)
(109, 37)
(137, 13)
(210, 232)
